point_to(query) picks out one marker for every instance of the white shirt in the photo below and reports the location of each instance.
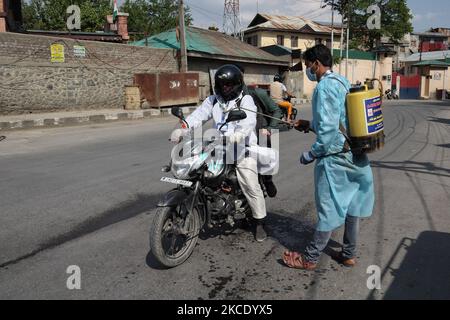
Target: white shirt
(219, 113)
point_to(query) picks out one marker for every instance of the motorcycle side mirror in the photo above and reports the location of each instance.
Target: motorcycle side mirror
(234, 115)
(177, 112)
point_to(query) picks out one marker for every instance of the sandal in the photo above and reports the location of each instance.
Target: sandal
(296, 260)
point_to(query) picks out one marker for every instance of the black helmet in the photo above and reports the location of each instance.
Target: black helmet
(229, 82)
(277, 78)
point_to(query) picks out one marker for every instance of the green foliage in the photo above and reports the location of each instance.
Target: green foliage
(395, 20)
(337, 60)
(51, 14)
(149, 17)
(145, 16)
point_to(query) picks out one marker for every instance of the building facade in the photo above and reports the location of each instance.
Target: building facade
(207, 50)
(445, 31)
(432, 70)
(291, 32)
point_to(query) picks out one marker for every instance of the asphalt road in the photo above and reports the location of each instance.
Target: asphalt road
(85, 196)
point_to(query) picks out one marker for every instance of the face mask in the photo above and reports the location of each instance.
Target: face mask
(311, 75)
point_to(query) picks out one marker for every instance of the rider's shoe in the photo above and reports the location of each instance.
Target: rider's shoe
(271, 188)
(260, 232)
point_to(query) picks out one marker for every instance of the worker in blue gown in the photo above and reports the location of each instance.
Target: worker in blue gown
(344, 191)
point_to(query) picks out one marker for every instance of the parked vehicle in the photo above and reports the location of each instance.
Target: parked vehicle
(207, 196)
(389, 94)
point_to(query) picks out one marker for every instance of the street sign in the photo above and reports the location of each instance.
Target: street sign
(79, 51)
(57, 53)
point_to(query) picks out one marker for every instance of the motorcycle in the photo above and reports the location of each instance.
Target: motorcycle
(207, 196)
(391, 95)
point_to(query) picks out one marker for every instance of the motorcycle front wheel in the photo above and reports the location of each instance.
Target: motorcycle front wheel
(172, 237)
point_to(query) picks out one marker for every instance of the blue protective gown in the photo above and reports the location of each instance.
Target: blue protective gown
(343, 183)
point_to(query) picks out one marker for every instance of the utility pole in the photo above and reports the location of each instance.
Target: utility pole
(341, 46)
(332, 25)
(183, 51)
(444, 91)
(348, 38)
(420, 48)
(332, 28)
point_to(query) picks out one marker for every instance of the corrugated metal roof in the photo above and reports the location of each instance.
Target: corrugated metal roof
(212, 43)
(294, 23)
(426, 56)
(277, 50)
(432, 63)
(430, 34)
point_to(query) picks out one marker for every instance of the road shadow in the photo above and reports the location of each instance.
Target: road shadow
(291, 233)
(413, 166)
(205, 234)
(140, 204)
(440, 120)
(424, 273)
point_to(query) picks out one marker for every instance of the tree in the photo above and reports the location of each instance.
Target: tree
(51, 14)
(149, 17)
(395, 20)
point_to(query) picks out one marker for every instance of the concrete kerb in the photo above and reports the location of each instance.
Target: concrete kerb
(61, 121)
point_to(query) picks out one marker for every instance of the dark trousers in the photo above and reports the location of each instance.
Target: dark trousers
(320, 240)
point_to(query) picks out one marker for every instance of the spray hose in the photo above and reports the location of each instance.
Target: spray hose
(265, 115)
(380, 86)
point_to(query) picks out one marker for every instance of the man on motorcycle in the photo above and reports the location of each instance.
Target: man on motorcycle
(265, 106)
(280, 94)
(229, 86)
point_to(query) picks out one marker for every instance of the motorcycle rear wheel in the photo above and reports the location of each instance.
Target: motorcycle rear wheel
(168, 245)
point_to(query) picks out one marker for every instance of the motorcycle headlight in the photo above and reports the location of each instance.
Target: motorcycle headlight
(181, 169)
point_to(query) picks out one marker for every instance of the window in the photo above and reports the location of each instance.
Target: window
(294, 42)
(318, 41)
(280, 40)
(252, 40)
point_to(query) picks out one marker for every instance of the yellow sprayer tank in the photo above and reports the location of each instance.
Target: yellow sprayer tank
(365, 115)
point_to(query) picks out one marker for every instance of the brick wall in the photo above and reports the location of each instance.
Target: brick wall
(30, 82)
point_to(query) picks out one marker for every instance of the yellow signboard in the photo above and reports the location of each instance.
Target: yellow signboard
(57, 51)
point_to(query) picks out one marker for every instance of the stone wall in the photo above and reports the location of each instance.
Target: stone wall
(30, 82)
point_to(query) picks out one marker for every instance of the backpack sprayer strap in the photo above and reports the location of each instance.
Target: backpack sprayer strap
(348, 141)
